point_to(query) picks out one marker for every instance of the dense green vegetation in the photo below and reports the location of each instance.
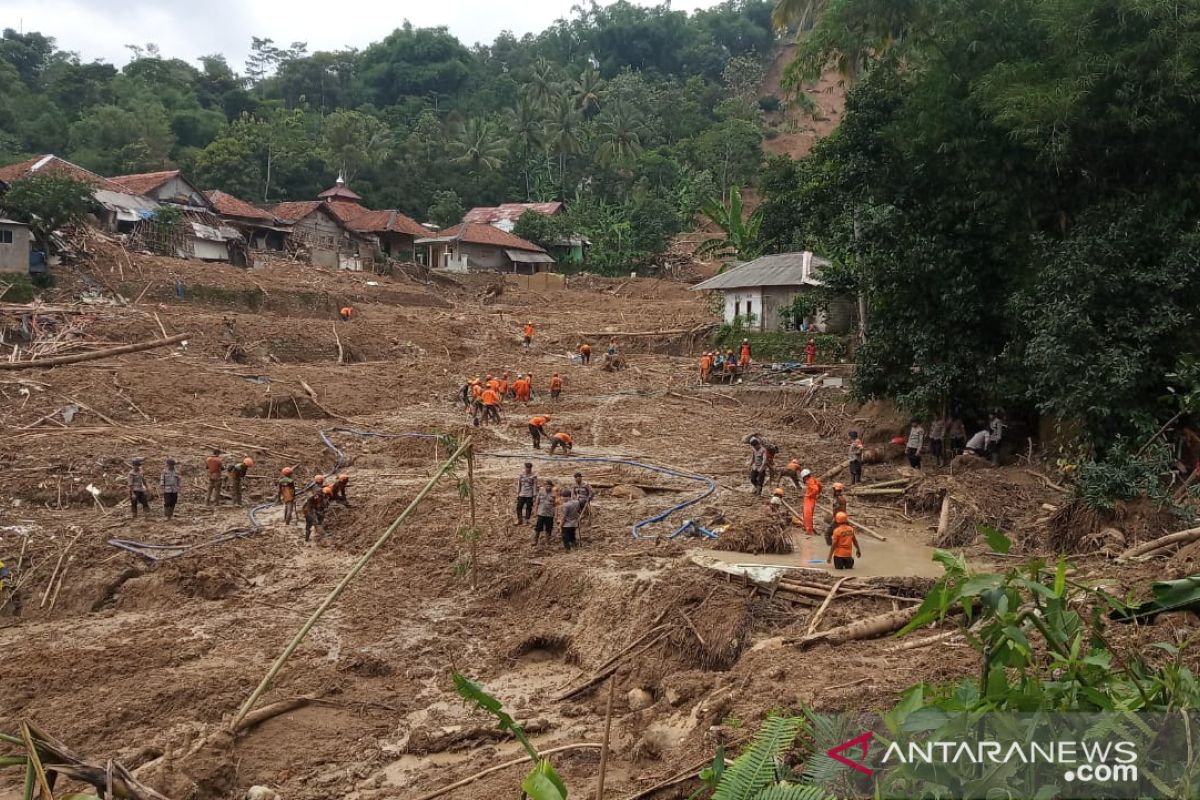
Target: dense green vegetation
(637, 114)
(1012, 187)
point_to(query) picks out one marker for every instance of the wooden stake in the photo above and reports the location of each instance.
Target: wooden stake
(812, 625)
(612, 685)
(474, 529)
(341, 587)
(944, 516)
(338, 339)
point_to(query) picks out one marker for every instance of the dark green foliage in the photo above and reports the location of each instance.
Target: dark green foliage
(446, 208)
(418, 113)
(539, 228)
(47, 202)
(1010, 193)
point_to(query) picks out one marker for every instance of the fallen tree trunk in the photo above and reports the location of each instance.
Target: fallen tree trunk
(834, 471)
(93, 355)
(1161, 543)
(869, 628)
(944, 517)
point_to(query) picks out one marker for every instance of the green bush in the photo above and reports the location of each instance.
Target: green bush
(780, 345)
(769, 103)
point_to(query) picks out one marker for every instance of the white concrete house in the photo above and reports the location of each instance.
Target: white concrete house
(760, 291)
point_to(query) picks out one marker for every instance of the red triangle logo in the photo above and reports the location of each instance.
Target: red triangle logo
(863, 741)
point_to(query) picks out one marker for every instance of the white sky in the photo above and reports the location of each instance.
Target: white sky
(99, 29)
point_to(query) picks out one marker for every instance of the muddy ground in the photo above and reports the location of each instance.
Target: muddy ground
(146, 663)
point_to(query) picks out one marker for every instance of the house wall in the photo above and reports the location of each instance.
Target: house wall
(206, 250)
(14, 255)
(484, 256)
(397, 245)
(323, 237)
(736, 301)
(177, 189)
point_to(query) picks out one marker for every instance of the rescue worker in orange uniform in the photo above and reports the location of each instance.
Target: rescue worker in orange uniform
(706, 365)
(812, 493)
(744, 355)
(792, 473)
(537, 429)
(561, 439)
(492, 383)
(556, 384)
(845, 544)
(504, 385)
(528, 334)
(339, 489)
(839, 505)
(810, 352)
(585, 354)
(346, 313)
(287, 494)
(491, 405)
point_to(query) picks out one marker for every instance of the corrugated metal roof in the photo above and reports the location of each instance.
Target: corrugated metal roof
(511, 212)
(782, 269)
(530, 258)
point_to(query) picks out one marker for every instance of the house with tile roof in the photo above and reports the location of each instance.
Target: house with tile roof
(51, 164)
(475, 247)
(324, 236)
(260, 228)
(167, 186)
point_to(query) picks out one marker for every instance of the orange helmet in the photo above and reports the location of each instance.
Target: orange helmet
(839, 487)
(327, 490)
(841, 517)
(285, 471)
(343, 477)
(778, 491)
(249, 462)
(318, 479)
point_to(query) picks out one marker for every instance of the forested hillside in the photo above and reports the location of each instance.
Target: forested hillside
(631, 113)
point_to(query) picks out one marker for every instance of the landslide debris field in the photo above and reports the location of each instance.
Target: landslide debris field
(146, 664)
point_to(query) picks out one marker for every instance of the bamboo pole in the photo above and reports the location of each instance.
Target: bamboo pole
(93, 355)
(36, 762)
(341, 587)
(812, 625)
(474, 530)
(608, 708)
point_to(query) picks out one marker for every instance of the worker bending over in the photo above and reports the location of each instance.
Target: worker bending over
(791, 472)
(314, 511)
(338, 488)
(845, 544)
(491, 405)
(556, 384)
(585, 354)
(537, 429)
(287, 494)
(236, 474)
(561, 439)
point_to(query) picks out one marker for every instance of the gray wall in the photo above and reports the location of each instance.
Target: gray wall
(14, 256)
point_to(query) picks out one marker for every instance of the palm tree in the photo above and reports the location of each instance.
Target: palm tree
(527, 130)
(741, 235)
(586, 92)
(542, 88)
(619, 139)
(480, 145)
(562, 136)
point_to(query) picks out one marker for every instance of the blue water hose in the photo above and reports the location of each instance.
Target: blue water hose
(659, 517)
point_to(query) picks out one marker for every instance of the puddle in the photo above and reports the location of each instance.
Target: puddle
(897, 557)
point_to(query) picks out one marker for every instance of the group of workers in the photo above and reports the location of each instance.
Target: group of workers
(564, 507)
(484, 399)
(718, 366)
(169, 484)
(316, 504)
(947, 437)
(839, 535)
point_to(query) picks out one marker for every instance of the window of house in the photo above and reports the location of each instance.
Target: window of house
(749, 308)
(737, 308)
(6, 237)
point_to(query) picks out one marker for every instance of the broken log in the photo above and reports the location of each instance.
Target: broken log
(1161, 543)
(93, 355)
(834, 471)
(816, 618)
(869, 628)
(267, 712)
(944, 517)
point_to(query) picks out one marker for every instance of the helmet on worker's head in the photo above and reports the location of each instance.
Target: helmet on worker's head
(248, 461)
(318, 479)
(327, 490)
(804, 473)
(744, 341)
(507, 373)
(170, 462)
(839, 487)
(136, 461)
(285, 471)
(841, 517)
(778, 491)
(529, 323)
(343, 477)
(853, 434)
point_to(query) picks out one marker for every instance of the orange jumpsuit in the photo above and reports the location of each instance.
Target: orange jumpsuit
(812, 492)
(705, 368)
(744, 356)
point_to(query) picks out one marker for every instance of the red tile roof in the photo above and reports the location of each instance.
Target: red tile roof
(144, 182)
(53, 165)
(509, 211)
(296, 210)
(229, 206)
(340, 191)
(486, 234)
(364, 220)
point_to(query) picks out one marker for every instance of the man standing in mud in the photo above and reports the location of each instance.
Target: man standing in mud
(571, 509)
(213, 465)
(170, 483)
(547, 505)
(526, 490)
(758, 466)
(137, 488)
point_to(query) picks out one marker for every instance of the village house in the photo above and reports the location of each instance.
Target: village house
(505, 216)
(15, 241)
(117, 210)
(261, 230)
(759, 294)
(316, 229)
(468, 247)
(199, 233)
(395, 233)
